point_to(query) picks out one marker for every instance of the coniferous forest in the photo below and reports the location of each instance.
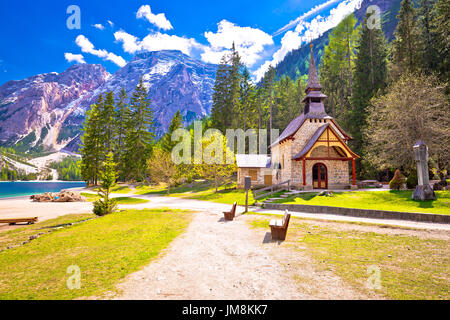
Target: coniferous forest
(386, 95)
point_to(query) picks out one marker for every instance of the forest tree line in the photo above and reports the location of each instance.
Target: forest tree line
(386, 95)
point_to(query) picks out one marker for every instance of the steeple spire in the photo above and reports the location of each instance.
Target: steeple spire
(314, 107)
(313, 79)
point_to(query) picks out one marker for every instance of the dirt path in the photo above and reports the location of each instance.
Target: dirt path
(215, 259)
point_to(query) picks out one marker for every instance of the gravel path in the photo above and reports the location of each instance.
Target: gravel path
(222, 260)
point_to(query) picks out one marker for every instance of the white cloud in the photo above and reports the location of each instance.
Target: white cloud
(111, 24)
(70, 57)
(87, 47)
(249, 42)
(305, 16)
(156, 42)
(158, 20)
(99, 26)
(308, 31)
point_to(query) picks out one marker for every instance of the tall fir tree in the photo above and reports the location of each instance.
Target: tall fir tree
(406, 47)
(92, 143)
(141, 133)
(226, 95)
(268, 86)
(220, 112)
(247, 95)
(370, 75)
(337, 67)
(166, 142)
(430, 59)
(121, 124)
(107, 117)
(440, 30)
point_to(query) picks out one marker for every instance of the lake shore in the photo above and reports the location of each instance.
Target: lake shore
(24, 207)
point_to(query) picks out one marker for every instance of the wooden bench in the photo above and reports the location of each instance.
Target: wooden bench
(14, 221)
(229, 216)
(278, 228)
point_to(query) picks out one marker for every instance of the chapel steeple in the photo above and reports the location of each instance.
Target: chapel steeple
(314, 107)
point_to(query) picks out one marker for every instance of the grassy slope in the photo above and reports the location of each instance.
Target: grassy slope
(18, 236)
(120, 200)
(416, 269)
(106, 250)
(200, 191)
(379, 200)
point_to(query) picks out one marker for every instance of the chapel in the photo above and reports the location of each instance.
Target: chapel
(311, 153)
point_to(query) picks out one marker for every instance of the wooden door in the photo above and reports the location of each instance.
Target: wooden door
(320, 176)
(268, 180)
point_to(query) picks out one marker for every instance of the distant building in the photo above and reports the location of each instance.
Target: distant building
(311, 152)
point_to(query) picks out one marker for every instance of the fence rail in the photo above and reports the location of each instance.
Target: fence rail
(259, 193)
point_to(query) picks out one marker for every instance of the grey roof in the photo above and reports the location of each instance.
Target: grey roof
(253, 161)
(311, 142)
(292, 128)
(314, 94)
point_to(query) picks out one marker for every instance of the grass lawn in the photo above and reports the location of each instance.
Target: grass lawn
(120, 200)
(411, 267)
(128, 200)
(392, 200)
(18, 235)
(200, 191)
(105, 249)
(116, 189)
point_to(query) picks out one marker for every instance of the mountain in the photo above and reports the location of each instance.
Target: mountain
(175, 82)
(33, 110)
(296, 63)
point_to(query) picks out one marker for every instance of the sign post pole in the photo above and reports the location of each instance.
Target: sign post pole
(248, 186)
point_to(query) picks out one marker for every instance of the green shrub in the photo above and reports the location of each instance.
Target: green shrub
(411, 182)
(397, 181)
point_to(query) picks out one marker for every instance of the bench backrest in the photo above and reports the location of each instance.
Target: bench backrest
(233, 210)
(286, 218)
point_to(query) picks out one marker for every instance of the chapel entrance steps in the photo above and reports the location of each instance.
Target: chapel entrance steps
(282, 196)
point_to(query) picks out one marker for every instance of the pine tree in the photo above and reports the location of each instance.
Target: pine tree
(92, 143)
(220, 112)
(268, 89)
(247, 99)
(235, 79)
(406, 47)
(107, 117)
(226, 95)
(440, 30)
(105, 205)
(121, 124)
(166, 142)
(370, 75)
(140, 135)
(337, 67)
(430, 59)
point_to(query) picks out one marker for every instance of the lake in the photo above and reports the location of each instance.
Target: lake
(17, 189)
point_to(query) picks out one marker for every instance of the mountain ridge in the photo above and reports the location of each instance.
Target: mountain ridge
(175, 82)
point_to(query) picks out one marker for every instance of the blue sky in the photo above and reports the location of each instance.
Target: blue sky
(35, 38)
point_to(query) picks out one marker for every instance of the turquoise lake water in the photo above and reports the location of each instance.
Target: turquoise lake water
(18, 189)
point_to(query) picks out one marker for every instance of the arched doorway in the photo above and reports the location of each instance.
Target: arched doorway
(320, 176)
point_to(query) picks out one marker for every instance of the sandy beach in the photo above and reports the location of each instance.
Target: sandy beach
(22, 207)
